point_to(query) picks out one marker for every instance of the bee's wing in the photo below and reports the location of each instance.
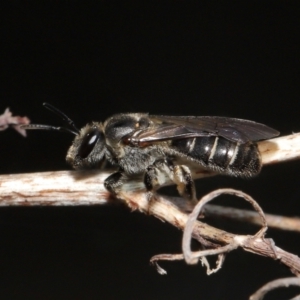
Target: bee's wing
(236, 130)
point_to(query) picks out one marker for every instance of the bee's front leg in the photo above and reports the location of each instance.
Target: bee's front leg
(155, 177)
(113, 182)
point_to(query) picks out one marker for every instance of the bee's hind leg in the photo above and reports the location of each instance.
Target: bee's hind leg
(181, 175)
(185, 184)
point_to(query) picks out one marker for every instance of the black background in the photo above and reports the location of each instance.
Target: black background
(176, 58)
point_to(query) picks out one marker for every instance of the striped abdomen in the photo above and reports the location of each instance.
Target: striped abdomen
(222, 155)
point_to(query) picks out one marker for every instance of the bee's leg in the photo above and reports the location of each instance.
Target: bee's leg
(182, 177)
(113, 182)
(151, 181)
(155, 175)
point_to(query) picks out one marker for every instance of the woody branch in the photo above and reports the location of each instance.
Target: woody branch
(86, 188)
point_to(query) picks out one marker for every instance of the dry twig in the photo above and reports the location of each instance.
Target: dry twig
(80, 188)
(275, 284)
(225, 241)
(244, 215)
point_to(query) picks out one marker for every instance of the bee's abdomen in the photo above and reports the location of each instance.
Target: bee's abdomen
(222, 155)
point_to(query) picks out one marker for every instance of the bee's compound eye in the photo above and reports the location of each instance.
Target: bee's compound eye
(89, 142)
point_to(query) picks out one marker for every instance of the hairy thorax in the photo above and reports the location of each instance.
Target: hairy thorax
(135, 160)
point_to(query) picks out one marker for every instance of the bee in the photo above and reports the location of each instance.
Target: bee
(159, 147)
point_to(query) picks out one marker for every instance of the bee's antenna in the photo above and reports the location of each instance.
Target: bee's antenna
(63, 116)
(47, 127)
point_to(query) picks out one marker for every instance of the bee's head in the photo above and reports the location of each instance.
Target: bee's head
(88, 148)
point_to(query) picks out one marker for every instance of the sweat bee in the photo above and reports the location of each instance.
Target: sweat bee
(173, 146)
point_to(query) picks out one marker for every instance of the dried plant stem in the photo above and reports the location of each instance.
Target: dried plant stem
(280, 149)
(73, 188)
(163, 209)
(243, 215)
(86, 188)
(275, 284)
(54, 188)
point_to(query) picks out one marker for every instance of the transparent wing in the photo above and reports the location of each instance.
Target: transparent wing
(173, 127)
